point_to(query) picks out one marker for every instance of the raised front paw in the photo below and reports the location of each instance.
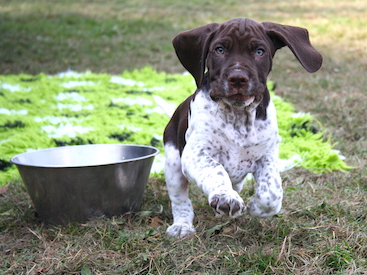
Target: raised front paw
(180, 230)
(230, 204)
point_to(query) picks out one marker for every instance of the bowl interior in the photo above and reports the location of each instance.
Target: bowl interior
(85, 155)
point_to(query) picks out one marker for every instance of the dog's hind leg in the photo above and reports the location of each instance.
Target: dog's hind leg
(177, 186)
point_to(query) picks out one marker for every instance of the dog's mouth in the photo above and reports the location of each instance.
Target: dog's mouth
(239, 99)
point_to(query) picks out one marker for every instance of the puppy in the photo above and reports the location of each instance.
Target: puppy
(228, 127)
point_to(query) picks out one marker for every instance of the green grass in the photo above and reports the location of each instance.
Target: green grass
(322, 228)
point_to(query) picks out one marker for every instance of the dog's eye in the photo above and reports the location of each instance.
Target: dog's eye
(219, 50)
(260, 52)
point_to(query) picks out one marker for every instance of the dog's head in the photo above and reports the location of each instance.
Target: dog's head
(238, 56)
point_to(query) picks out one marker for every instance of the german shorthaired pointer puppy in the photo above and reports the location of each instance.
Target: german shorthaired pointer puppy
(228, 127)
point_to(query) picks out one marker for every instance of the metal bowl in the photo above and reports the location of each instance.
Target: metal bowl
(78, 183)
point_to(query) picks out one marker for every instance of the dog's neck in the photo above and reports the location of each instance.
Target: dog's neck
(237, 116)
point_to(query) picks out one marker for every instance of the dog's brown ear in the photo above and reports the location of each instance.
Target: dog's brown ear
(298, 41)
(192, 49)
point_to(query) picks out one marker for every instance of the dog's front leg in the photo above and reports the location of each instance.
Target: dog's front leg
(177, 187)
(267, 200)
(201, 168)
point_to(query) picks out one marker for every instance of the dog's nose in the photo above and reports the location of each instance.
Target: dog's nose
(238, 79)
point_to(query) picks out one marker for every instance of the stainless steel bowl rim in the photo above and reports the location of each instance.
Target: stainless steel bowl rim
(155, 152)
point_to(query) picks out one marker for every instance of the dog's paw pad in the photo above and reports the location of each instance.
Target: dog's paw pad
(230, 205)
(181, 230)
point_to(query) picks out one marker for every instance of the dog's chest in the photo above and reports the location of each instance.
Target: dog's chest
(234, 140)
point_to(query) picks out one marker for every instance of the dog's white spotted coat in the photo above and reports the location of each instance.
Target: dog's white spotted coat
(224, 144)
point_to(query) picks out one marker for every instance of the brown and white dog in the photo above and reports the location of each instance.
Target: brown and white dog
(228, 127)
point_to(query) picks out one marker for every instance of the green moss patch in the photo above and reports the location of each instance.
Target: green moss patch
(44, 111)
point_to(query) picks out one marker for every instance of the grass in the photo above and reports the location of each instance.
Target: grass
(322, 227)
